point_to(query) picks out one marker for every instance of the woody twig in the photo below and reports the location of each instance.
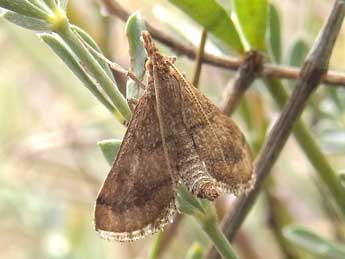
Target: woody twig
(246, 74)
(331, 78)
(199, 56)
(313, 70)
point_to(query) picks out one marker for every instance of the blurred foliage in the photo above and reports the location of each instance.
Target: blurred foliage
(313, 243)
(51, 167)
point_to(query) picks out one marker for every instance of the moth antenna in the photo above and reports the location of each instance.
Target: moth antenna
(149, 45)
(114, 66)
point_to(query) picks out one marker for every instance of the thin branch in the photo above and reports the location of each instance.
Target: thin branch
(247, 72)
(199, 57)
(313, 69)
(278, 217)
(269, 70)
(169, 233)
(246, 249)
(154, 253)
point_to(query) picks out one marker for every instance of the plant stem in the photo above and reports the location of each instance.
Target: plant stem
(200, 54)
(204, 212)
(194, 252)
(51, 4)
(155, 248)
(332, 78)
(245, 75)
(278, 217)
(219, 239)
(95, 69)
(314, 68)
(310, 147)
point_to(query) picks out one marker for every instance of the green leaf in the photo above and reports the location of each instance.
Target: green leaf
(27, 22)
(188, 203)
(195, 252)
(298, 52)
(214, 18)
(250, 18)
(63, 51)
(88, 39)
(51, 4)
(274, 34)
(24, 7)
(342, 179)
(39, 4)
(94, 69)
(134, 26)
(63, 4)
(110, 148)
(313, 243)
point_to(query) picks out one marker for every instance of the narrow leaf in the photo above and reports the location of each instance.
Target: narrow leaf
(88, 39)
(187, 202)
(194, 252)
(27, 22)
(110, 148)
(51, 4)
(250, 18)
(134, 26)
(298, 52)
(24, 7)
(93, 68)
(39, 4)
(274, 34)
(313, 243)
(72, 62)
(63, 4)
(214, 18)
(342, 179)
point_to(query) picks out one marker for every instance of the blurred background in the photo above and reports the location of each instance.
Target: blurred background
(51, 168)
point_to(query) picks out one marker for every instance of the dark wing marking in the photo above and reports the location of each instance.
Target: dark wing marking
(137, 197)
(181, 151)
(219, 142)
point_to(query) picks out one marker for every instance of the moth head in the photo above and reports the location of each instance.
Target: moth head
(149, 45)
(155, 59)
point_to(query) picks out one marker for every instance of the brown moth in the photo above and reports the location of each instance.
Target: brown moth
(176, 135)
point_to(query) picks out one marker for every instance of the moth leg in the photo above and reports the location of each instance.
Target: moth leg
(138, 82)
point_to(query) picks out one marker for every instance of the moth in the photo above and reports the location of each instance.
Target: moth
(176, 135)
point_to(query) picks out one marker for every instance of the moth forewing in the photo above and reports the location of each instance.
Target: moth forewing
(175, 135)
(181, 154)
(202, 143)
(137, 197)
(219, 142)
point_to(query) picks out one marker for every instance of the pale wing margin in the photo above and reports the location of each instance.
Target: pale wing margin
(229, 163)
(137, 197)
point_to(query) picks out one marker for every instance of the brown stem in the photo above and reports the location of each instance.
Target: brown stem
(269, 70)
(242, 241)
(169, 233)
(313, 69)
(277, 218)
(331, 212)
(199, 57)
(250, 67)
